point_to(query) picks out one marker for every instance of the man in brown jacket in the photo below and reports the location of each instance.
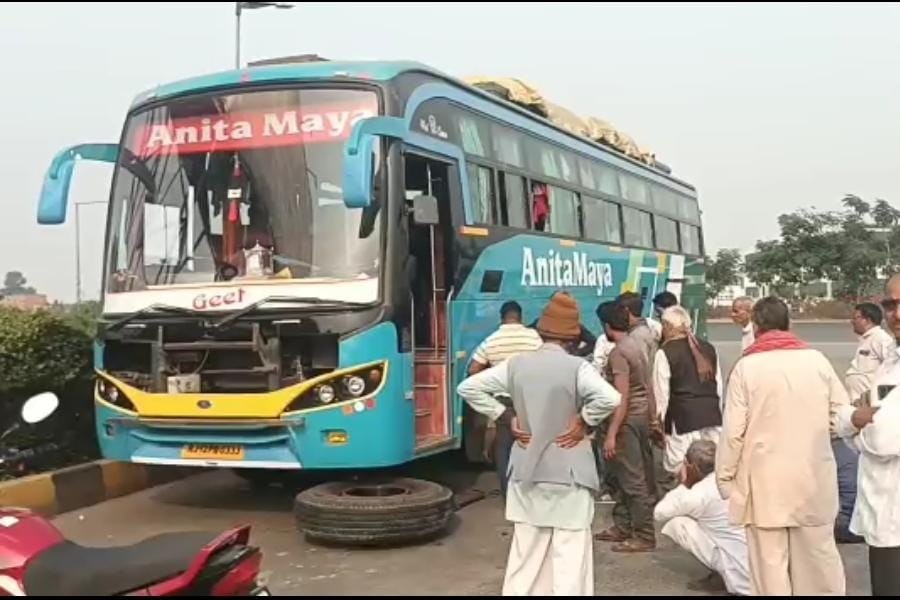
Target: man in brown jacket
(775, 465)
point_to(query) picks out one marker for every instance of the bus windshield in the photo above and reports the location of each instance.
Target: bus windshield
(239, 187)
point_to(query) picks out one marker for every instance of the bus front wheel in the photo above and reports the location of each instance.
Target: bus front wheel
(383, 513)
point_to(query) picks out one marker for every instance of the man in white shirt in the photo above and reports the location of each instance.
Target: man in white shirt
(741, 313)
(875, 347)
(695, 517)
(877, 429)
(510, 339)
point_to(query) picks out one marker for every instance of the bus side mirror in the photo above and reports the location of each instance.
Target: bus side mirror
(360, 154)
(425, 210)
(54, 197)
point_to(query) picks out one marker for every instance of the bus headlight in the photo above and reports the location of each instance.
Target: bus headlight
(325, 394)
(355, 385)
(110, 393)
(344, 387)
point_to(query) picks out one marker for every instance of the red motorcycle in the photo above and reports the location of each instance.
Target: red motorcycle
(36, 560)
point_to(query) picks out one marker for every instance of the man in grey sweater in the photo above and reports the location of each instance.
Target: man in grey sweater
(556, 397)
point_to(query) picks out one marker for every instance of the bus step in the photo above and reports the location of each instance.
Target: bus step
(431, 441)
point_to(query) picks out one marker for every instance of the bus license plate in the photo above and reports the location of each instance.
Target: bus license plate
(212, 452)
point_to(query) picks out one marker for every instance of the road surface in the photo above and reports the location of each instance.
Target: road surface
(468, 561)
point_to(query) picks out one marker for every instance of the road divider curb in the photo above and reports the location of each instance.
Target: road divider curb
(84, 485)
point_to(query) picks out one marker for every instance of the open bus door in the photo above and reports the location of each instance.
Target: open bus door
(429, 188)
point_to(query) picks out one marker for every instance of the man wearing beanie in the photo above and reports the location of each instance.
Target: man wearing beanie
(552, 475)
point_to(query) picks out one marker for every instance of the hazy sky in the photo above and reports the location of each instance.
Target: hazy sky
(764, 108)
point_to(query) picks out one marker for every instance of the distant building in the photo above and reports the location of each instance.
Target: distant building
(27, 302)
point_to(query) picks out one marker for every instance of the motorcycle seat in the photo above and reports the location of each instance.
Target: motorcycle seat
(69, 569)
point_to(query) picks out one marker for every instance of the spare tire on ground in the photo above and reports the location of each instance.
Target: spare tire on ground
(386, 513)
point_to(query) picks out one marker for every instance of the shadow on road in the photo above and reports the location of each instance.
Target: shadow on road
(274, 491)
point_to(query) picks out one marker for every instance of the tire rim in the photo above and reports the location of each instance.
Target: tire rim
(376, 491)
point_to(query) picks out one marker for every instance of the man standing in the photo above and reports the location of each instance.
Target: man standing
(687, 388)
(875, 516)
(875, 346)
(775, 465)
(555, 397)
(510, 339)
(661, 302)
(626, 446)
(695, 517)
(638, 328)
(741, 310)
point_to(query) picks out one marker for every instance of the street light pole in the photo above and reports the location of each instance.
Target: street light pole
(238, 9)
(238, 6)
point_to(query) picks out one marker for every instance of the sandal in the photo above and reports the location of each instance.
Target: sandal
(613, 534)
(634, 546)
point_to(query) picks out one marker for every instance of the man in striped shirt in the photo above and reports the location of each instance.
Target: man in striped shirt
(510, 339)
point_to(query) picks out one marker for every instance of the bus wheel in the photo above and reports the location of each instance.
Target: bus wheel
(387, 513)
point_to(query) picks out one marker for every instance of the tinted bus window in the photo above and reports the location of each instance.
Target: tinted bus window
(515, 201)
(481, 190)
(567, 167)
(471, 136)
(690, 239)
(601, 220)
(666, 234)
(507, 146)
(607, 181)
(563, 211)
(638, 227)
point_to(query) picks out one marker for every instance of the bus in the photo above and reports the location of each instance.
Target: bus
(300, 258)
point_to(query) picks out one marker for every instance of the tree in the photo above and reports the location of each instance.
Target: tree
(14, 285)
(848, 247)
(723, 270)
(884, 215)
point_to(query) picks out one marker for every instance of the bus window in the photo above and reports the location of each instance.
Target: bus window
(506, 146)
(666, 234)
(563, 212)
(638, 227)
(665, 200)
(690, 239)
(688, 208)
(634, 189)
(567, 166)
(481, 191)
(548, 163)
(601, 220)
(587, 174)
(471, 136)
(606, 180)
(514, 204)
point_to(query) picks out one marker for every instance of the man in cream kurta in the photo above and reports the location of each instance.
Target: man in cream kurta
(775, 464)
(555, 397)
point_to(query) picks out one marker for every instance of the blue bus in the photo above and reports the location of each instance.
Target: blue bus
(301, 257)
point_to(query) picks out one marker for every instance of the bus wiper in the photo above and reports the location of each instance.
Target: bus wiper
(164, 308)
(285, 300)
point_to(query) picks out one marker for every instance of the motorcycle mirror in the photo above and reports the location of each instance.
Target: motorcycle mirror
(37, 408)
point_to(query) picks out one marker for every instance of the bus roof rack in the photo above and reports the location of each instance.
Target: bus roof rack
(287, 60)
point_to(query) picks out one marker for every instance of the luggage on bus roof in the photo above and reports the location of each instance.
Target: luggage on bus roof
(528, 97)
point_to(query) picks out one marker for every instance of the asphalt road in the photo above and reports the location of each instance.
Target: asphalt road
(468, 561)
